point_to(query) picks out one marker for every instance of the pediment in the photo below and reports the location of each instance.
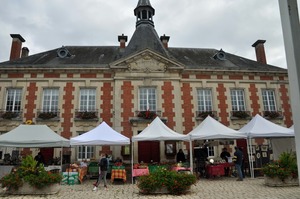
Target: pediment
(146, 61)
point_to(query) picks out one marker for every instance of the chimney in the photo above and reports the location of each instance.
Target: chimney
(122, 39)
(16, 46)
(165, 39)
(260, 51)
(25, 52)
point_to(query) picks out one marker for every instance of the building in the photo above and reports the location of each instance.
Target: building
(73, 89)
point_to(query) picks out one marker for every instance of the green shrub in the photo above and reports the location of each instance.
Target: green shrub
(30, 172)
(176, 183)
(286, 166)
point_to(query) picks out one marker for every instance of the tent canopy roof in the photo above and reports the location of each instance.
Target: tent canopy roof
(261, 127)
(101, 135)
(212, 129)
(33, 136)
(158, 131)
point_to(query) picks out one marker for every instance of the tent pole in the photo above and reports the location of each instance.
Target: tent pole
(249, 157)
(61, 159)
(132, 162)
(191, 157)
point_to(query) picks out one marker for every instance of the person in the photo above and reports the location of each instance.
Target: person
(118, 160)
(103, 167)
(180, 157)
(243, 162)
(39, 158)
(224, 155)
(238, 163)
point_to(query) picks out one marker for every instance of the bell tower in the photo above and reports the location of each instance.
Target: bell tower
(144, 13)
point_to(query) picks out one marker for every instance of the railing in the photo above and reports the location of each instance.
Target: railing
(204, 114)
(240, 114)
(147, 114)
(86, 115)
(9, 115)
(272, 114)
(47, 115)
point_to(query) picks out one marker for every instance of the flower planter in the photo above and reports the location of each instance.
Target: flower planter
(277, 182)
(26, 189)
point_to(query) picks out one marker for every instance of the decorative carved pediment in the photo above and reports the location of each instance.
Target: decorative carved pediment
(146, 64)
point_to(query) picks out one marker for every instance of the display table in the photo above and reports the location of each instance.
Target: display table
(82, 172)
(53, 168)
(118, 174)
(181, 169)
(153, 168)
(214, 170)
(140, 172)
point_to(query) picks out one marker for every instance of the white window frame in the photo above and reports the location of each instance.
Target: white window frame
(147, 98)
(16, 95)
(205, 102)
(89, 103)
(238, 102)
(268, 97)
(50, 95)
(87, 154)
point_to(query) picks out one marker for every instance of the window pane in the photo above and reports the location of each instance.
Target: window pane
(147, 99)
(50, 100)
(87, 100)
(13, 99)
(237, 100)
(268, 97)
(204, 100)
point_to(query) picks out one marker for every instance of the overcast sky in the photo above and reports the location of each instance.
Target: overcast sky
(233, 25)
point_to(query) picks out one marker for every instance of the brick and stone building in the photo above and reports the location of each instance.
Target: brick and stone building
(72, 89)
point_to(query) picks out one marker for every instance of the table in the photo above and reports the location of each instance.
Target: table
(118, 174)
(153, 168)
(82, 172)
(140, 172)
(180, 169)
(214, 170)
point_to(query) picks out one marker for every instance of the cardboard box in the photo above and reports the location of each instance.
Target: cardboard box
(70, 178)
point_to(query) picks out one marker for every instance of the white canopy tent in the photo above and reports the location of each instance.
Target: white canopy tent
(260, 127)
(33, 136)
(101, 135)
(212, 129)
(156, 131)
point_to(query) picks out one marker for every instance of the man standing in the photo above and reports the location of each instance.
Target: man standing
(103, 166)
(225, 155)
(238, 163)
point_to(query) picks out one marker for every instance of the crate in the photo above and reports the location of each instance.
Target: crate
(70, 178)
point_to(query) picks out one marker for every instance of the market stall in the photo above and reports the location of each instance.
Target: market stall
(31, 136)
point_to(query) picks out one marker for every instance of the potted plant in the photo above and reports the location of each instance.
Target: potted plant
(283, 172)
(163, 180)
(47, 115)
(86, 115)
(9, 115)
(271, 114)
(147, 114)
(204, 114)
(31, 178)
(240, 114)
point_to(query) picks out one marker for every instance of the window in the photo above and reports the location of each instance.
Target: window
(50, 100)
(87, 100)
(85, 152)
(237, 100)
(13, 99)
(211, 151)
(147, 99)
(204, 100)
(268, 97)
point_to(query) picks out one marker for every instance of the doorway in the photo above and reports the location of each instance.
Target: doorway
(148, 151)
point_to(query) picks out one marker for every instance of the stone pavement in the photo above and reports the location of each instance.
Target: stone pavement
(218, 188)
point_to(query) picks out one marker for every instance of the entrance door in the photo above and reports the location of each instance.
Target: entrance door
(48, 154)
(147, 151)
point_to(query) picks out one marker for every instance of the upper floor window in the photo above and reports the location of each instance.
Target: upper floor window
(268, 97)
(87, 99)
(237, 100)
(13, 99)
(147, 99)
(204, 100)
(50, 100)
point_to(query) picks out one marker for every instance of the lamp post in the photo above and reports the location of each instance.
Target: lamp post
(291, 33)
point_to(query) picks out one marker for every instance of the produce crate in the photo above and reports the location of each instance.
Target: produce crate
(70, 178)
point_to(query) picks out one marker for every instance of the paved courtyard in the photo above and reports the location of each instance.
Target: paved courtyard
(219, 188)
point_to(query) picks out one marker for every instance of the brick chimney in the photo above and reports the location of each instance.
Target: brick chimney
(165, 39)
(25, 52)
(16, 46)
(122, 39)
(260, 51)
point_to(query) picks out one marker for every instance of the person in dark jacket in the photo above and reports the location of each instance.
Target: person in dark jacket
(39, 158)
(238, 163)
(103, 167)
(180, 157)
(224, 155)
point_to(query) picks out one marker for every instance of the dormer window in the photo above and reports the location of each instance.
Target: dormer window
(63, 52)
(220, 55)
